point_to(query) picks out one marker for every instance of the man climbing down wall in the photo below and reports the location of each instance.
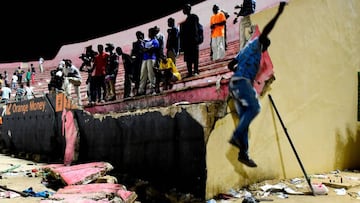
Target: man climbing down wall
(245, 66)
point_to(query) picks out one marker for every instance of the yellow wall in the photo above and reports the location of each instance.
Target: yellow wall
(315, 49)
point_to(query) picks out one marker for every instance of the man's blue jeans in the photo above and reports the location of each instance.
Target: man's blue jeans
(247, 107)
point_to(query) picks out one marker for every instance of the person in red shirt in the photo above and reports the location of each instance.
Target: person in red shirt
(97, 85)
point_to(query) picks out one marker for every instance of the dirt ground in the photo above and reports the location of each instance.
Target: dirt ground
(19, 175)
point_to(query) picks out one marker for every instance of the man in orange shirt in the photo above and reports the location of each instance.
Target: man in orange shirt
(217, 25)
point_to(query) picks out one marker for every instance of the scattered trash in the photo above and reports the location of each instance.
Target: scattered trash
(31, 193)
(337, 171)
(341, 191)
(12, 168)
(235, 193)
(289, 190)
(8, 194)
(321, 176)
(296, 181)
(320, 189)
(211, 201)
(282, 189)
(250, 200)
(282, 195)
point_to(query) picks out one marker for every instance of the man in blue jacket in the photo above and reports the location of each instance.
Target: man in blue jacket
(245, 66)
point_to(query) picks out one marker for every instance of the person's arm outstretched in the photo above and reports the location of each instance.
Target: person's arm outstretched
(263, 38)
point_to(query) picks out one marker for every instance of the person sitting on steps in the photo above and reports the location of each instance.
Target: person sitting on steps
(168, 72)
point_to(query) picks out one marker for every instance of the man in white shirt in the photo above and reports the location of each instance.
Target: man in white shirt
(5, 93)
(72, 78)
(14, 81)
(29, 94)
(41, 64)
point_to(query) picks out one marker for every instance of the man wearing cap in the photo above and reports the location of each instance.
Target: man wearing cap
(72, 78)
(87, 58)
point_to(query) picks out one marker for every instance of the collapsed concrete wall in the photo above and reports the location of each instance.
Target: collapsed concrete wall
(166, 146)
(163, 145)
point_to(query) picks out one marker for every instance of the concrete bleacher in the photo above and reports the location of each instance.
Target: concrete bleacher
(208, 70)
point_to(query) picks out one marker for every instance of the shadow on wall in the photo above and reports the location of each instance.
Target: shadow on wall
(350, 147)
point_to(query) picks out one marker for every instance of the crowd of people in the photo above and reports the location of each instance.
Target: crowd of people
(148, 69)
(18, 85)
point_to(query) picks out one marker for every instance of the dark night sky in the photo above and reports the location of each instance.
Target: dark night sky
(31, 29)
